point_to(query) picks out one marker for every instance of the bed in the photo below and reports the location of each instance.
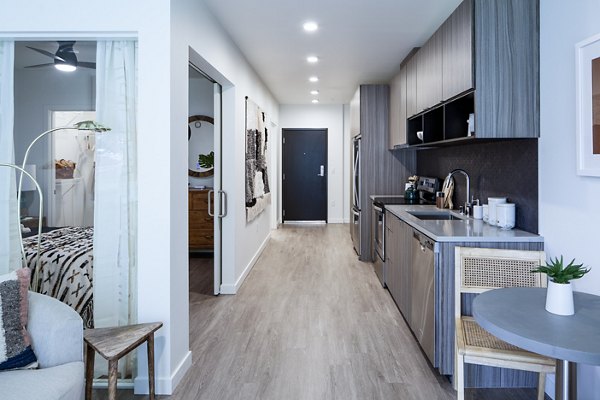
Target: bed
(65, 272)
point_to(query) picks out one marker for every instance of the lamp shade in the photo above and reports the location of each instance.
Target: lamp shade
(28, 184)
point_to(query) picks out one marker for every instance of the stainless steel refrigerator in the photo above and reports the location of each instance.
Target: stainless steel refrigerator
(356, 203)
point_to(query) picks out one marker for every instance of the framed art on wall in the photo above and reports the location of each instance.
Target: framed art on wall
(587, 65)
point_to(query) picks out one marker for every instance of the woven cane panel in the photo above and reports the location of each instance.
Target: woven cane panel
(488, 272)
(478, 337)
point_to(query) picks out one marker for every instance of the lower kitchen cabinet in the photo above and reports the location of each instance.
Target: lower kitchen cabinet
(404, 287)
(398, 259)
(392, 249)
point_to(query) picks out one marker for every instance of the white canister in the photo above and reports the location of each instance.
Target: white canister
(478, 212)
(492, 201)
(505, 215)
(486, 214)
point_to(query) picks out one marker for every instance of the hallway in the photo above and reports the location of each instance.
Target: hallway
(310, 322)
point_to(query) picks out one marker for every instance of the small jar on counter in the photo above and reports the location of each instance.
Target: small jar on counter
(439, 199)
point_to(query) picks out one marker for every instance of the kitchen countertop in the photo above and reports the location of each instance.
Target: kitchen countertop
(468, 230)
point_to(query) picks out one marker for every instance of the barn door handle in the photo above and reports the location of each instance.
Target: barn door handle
(322, 171)
(223, 198)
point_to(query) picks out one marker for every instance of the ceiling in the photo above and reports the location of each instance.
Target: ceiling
(86, 51)
(358, 41)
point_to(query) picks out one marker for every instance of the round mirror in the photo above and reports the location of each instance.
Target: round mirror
(201, 156)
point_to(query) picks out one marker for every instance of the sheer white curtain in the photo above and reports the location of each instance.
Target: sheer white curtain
(115, 184)
(10, 256)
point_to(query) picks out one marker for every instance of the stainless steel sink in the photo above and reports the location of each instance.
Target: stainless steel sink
(436, 215)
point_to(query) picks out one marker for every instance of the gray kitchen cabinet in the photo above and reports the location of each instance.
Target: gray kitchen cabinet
(457, 51)
(488, 67)
(391, 259)
(429, 73)
(398, 109)
(398, 262)
(507, 68)
(381, 171)
(404, 255)
(411, 85)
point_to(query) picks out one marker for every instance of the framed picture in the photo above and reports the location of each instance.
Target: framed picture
(587, 64)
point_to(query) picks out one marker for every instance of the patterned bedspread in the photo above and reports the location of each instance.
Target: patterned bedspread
(65, 268)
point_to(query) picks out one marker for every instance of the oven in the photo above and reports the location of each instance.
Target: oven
(379, 241)
(430, 185)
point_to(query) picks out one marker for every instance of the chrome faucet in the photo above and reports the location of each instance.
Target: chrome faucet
(468, 203)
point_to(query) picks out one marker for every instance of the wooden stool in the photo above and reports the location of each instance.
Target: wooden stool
(114, 343)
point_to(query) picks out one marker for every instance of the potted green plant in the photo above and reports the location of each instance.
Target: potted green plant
(206, 161)
(559, 296)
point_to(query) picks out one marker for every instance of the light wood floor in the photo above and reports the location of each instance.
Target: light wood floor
(310, 322)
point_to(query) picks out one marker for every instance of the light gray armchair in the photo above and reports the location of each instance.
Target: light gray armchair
(57, 334)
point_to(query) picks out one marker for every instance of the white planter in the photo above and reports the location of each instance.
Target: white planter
(559, 298)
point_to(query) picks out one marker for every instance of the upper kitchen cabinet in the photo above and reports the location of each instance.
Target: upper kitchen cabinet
(429, 73)
(398, 109)
(411, 85)
(481, 66)
(507, 68)
(457, 51)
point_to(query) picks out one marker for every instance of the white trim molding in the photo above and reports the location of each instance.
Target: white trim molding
(164, 385)
(232, 289)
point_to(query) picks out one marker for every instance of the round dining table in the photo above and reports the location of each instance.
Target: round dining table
(518, 316)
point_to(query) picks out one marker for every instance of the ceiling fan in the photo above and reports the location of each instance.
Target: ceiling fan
(65, 58)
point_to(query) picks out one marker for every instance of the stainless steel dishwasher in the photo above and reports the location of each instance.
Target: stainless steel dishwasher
(422, 318)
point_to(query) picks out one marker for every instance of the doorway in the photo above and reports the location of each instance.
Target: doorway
(71, 195)
(304, 177)
(204, 183)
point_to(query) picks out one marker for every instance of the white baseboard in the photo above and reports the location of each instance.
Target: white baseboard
(232, 289)
(165, 385)
(336, 220)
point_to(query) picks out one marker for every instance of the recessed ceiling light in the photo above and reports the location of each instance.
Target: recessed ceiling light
(310, 26)
(315, 101)
(312, 59)
(313, 79)
(314, 92)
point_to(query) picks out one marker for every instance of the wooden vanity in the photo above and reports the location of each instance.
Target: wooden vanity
(201, 225)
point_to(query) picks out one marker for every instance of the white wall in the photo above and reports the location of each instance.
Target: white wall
(569, 223)
(201, 102)
(168, 28)
(149, 21)
(331, 117)
(193, 27)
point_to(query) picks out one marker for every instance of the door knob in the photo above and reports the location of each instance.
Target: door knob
(322, 171)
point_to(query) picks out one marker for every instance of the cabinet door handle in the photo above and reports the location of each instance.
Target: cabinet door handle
(210, 203)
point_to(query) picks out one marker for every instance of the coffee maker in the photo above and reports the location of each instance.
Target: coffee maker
(427, 187)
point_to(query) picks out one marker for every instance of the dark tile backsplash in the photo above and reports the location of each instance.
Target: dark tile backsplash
(505, 168)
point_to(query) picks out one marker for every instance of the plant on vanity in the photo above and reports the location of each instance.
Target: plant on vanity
(559, 297)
